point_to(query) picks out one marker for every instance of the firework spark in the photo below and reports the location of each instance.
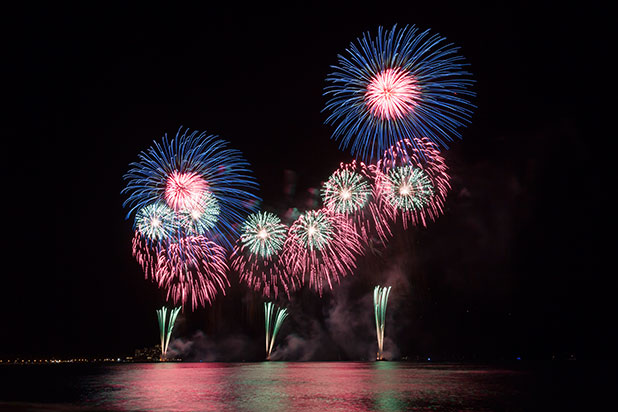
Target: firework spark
(350, 193)
(402, 84)
(201, 216)
(257, 257)
(194, 174)
(273, 322)
(166, 325)
(156, 221)
(380, 298)
(414, 182)
(192, 269)
(321, 248)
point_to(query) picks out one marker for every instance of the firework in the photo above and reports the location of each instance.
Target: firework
(402, 84)
(380, 298)
(166, 325)
(414, 182)
(206, 184)
(193, 269)
(202, 216)
(155, 222)
(321, 248)
(257, 257)
(273, 321)
(346, 191)
(350, 193)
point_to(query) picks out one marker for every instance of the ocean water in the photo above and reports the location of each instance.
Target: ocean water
(300, 386)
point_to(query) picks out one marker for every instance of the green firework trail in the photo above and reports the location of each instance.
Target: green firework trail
(166, 325)
(273, 320)
(380, 298)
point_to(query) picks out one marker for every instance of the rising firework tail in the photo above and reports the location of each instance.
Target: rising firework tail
(413, 181)
(166, 326)
(257, 256)
(380, 299)
(273, 321)
(403, 83)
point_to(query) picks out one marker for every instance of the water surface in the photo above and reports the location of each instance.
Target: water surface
(292, 386)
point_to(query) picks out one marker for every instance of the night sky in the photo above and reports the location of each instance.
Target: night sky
(515, 267)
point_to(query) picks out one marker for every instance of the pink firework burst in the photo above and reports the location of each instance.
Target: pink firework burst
(192, 269)
(145, 252)
(321, 248)
(413, 181)
(369, 216)
(184, 190)
(267, 276)
(392, 94)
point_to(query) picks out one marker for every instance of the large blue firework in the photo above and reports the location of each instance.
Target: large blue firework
(401, 84)
(198, 177)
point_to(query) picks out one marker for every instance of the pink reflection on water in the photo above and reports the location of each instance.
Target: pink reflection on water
(282, 386)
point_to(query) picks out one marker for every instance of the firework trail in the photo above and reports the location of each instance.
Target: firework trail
(273, 321)
(257, 257)
(166, 325)
(206, 185)
(401, 84)
(192, 269)
(351, 193)
(380, 298)
(414, 182)
(321, 248)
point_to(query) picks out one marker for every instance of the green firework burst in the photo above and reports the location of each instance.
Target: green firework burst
(155, 221)
(346, 191)
(263, 234)
(409, 188)
(202, 216)
(314, 230)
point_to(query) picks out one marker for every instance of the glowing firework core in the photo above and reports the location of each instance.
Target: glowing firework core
(184, 190)
(155, 221)
(264, 234)
(411, 188)
(346, 191)
(203, 216)
(315, 231)
(392, 94)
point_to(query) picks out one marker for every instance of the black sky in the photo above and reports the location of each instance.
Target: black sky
(515, 267)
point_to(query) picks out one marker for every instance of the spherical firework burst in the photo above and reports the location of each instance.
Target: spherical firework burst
(346, 191)
(400, 85)
(321, 248)
(350, 194)
(154, 225)
(202, 216)
(156, 221)
(263, 234)
(192, 269)
(257, 257)
(413, 181)
(183, 172)
(409, 188)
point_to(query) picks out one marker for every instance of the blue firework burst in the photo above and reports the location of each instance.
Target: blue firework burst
(180, 172)
(403, 83)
